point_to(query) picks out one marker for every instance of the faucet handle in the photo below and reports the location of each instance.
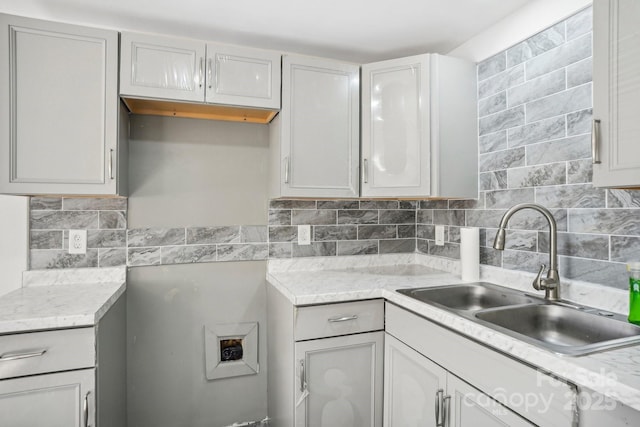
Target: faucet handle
(537, 282)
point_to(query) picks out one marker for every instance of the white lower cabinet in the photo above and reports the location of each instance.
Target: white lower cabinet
(418, 392)
(65, 399)
(325, 364)
(339, 381)
(66, 377)
(435, 377)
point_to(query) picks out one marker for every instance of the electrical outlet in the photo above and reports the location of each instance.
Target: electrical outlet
(439, 235)
(304, 234)
(77, 241)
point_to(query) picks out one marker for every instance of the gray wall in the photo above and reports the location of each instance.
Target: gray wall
(191, 172)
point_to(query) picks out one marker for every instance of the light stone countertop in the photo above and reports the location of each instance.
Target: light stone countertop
(61, 299)
(615, 373)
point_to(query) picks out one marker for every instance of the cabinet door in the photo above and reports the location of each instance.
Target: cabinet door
(320, 128)
(162, 67)
(243, 76)
(411, 382)
(395, 128)
(64, 399)
(469, 407)
(616, 67)
(59, 115)
(339, 381)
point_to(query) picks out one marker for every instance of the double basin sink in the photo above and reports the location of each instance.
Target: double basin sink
(560, 327)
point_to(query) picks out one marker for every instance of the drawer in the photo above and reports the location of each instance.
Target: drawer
(50, 351)
(319, 321)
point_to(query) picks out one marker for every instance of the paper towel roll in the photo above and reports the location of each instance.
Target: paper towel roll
(470, 254)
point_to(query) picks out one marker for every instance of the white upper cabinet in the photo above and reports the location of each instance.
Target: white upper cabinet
(616, 67)
(315, 138)
(177, 69)
(395, 128)
(59, 110)
(243, 76)
(419, 128)
(162, 67)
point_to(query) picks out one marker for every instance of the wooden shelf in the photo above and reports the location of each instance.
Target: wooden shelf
(154, 107)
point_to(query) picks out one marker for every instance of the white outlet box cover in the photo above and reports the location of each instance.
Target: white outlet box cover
(77, 241)
(304, 234)
(439, 235)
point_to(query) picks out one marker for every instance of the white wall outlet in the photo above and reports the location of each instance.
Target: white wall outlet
(304, 234)
(439, 235)
(77, 241)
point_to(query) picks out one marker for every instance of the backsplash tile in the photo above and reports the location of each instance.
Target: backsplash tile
(345, 227)
(51, 218)
(547, 161)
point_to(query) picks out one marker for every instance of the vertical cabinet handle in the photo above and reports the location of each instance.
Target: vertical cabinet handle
(439, 395)
(85, 409)
(201, 76)
(365, 171)
(287, 165)
(210, 73)
(595, 142)
(303, 381)
(111, 163)
(446, 408)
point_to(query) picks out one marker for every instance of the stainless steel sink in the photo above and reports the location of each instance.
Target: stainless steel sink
(557, 326)
(469, 297)
(562, 329)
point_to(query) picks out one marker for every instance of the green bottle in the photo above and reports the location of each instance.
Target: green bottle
(634, 292)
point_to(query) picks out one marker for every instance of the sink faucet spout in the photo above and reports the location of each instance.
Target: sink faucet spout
(550, 284)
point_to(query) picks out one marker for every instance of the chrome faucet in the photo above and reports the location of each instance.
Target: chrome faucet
(550, 284)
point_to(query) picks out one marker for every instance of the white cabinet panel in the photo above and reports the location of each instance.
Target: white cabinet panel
(343, 379)
(316, 136)
(243, 76)
(395, 152)
(162, 67)
(469, 407)
(419, 128)
(60, 122)
(64, 399)
(617, 92)
(411, 382)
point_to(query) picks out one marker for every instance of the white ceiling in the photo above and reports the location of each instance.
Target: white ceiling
(356, 30)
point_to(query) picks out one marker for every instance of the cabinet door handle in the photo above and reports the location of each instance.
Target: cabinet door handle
(446, 407)
(595, 142)
(111, 163)
(201, 74)
(438, 407)
(287, 165)
(16, 356)
(343, 318)
(303, 381)
(85, 409)
(210, 73)
(365, 171)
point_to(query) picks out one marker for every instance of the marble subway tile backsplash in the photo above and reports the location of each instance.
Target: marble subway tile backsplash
(534, 141)
(51, 218)
(338, 227)
(342, 227)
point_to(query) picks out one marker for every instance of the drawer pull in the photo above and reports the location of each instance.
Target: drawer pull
(342, 319)
(15, 356)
